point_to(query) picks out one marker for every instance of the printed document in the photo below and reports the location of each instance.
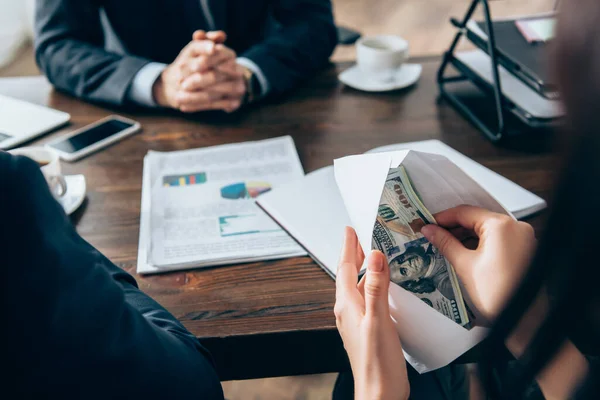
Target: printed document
(202, 209)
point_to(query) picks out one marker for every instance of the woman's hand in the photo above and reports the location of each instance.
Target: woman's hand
(363, 319)
(491, 272)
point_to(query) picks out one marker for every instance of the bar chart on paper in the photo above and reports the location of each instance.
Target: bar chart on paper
(184, 180)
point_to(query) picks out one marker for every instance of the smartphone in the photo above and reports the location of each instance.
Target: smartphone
(94, 137)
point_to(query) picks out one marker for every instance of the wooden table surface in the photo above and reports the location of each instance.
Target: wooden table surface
(268, 318)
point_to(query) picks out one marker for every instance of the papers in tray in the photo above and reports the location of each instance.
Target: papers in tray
(315, 210)
(537, 29)
(512, 87)
(198, 206)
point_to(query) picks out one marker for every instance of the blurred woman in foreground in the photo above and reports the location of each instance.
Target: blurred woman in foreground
(538, 302)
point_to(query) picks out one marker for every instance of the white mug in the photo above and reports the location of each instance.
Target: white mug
(379, 57)
(49, 163)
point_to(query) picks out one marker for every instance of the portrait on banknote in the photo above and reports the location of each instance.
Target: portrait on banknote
(421, 268)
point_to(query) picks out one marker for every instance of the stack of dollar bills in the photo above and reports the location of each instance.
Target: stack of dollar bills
(415, 264)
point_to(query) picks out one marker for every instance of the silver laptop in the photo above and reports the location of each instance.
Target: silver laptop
(21, 121)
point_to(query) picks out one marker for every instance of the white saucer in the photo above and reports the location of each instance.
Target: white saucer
(406, 75)
(75, 195)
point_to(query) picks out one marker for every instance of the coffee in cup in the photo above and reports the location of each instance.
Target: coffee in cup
(380, 57)
(49, 163)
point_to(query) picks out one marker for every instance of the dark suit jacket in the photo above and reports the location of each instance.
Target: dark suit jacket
(73, 324)
(288, 39)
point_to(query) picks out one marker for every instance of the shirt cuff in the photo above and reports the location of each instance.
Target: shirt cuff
(140, 91)
(251, 65)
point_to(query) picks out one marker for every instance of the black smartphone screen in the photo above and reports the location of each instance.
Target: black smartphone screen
(91, 136)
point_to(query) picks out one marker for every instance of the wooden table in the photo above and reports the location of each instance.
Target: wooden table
(269, 318)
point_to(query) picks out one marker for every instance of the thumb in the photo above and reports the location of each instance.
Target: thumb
(199, 35)
(217, 36)
(448, 245)
(377, 283)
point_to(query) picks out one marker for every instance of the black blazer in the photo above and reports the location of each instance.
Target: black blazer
(288, 39)
(73, 324)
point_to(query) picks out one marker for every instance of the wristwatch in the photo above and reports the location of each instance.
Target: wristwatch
(253, 88)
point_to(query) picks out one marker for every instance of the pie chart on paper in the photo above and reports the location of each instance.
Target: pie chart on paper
(245, 190)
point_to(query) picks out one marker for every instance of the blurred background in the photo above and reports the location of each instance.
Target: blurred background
(424, 23)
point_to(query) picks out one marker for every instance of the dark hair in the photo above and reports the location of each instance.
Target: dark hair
(566, 263)
(418, 251)
(423, 285)
(409, 253)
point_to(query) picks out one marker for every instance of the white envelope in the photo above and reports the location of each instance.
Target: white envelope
(430, 340)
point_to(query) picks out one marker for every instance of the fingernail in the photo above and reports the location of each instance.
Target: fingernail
(427, 231)
(375, 261)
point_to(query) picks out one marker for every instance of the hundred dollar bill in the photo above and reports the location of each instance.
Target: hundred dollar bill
(415, 264)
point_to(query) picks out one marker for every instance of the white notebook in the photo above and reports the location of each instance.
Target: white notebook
(312, 211)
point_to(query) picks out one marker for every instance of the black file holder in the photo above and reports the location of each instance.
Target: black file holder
(503, 109)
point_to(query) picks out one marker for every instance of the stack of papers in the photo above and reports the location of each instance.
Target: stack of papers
(537, 29)
(512, 87)
(199, 210)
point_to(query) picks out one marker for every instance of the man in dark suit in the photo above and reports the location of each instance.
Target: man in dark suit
(75, 325)
(190, 55)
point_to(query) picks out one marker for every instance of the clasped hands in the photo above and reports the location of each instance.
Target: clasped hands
(204, 76)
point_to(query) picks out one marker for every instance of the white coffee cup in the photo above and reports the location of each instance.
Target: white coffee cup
(49, 163)
(380, 57)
